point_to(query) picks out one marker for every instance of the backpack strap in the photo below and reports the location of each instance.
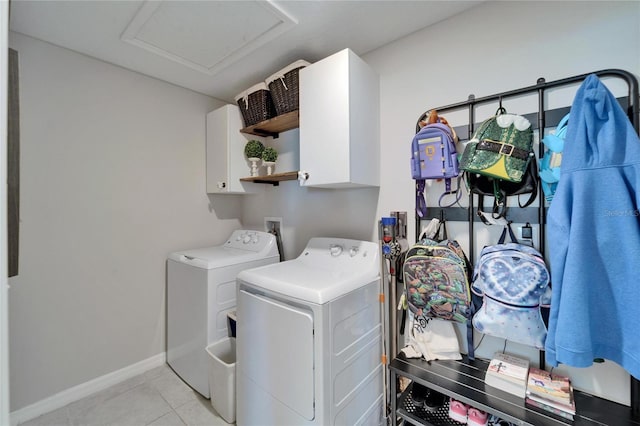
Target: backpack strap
(470, 349)
(441, 232)
(421, 202)
(561, 129)
(472, 312)
(498, 211)
(448, 191)
(532, 172)
(503, 236)
(499, 201)
(503, 148)
(472, 308)
(441, 235)
(532, 197)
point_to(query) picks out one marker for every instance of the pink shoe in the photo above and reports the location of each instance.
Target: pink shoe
(458, 411)
(476, 417)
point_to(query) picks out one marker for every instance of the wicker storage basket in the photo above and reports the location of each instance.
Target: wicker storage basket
(284, 87)
(256, 104)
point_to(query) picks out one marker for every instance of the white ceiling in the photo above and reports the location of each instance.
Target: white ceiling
(221, 48)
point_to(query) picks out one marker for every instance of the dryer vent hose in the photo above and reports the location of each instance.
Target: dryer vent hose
(276, 232)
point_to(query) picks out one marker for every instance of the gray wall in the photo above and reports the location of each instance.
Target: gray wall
(113, 179)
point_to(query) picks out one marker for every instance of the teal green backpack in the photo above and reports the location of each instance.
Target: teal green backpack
(552, 159)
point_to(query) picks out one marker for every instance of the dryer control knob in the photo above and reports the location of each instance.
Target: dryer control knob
(246, 239)
(335, 250)
(353, 251)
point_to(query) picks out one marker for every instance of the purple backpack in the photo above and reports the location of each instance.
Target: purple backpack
(433, 156)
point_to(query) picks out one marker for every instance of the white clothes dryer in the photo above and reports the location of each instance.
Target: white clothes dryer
(309, 338)
(201, 290)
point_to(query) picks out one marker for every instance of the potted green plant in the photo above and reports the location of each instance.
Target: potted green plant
(269, 154)
(269, 157)
(253, 150)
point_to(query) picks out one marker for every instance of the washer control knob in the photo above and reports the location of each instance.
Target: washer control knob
(246, 239)
(335, 250)
(353, 251)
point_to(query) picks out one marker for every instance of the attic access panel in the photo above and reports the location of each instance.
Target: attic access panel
(206, 35)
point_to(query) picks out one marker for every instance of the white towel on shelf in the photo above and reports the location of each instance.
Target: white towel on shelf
(436, 339)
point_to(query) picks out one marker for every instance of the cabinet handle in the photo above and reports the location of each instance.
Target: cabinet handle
(302, 177)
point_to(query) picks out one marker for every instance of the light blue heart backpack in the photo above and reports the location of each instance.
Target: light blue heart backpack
(513, 281)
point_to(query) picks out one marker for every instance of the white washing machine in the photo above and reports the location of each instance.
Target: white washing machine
(309, 339)
(201, 291)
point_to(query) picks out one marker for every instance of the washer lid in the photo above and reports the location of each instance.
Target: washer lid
(242, 246)
(327, 269)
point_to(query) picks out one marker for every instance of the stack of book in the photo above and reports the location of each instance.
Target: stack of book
(508, 373)
(550, 392)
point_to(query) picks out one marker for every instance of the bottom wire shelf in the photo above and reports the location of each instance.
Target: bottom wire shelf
(419, 414)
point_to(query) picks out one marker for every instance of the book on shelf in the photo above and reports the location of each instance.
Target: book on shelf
(549, 408)
(552, 387)
(550, 392)
(567, 408)
(508, 373)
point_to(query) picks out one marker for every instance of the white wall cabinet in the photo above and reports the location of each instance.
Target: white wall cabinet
(339, 131)
(339, 123)
(226, 162)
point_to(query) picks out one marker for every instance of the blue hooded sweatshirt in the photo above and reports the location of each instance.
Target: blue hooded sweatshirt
(594, 237)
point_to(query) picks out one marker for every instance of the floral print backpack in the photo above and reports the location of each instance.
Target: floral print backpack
(436, 276)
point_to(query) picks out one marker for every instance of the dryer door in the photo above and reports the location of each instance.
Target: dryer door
(278, 351)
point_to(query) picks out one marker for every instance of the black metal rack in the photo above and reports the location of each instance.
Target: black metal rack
(464, 381)
(541, 119)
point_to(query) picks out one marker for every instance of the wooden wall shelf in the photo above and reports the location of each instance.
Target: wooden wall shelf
(274, 126)
(273, 179)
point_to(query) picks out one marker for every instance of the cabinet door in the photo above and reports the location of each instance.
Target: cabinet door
(226, 162)
(339, 122)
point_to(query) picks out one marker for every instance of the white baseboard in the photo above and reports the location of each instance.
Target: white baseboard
(80, 391)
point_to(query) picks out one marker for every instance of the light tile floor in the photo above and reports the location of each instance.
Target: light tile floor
(156, 398)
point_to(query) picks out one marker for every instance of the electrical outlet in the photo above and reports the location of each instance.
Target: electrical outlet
(273, 223)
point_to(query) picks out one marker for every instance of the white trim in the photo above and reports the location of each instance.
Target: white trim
(80, 391)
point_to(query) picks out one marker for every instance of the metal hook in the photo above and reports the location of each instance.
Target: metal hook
(501, 109)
